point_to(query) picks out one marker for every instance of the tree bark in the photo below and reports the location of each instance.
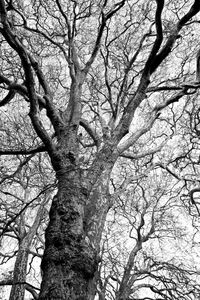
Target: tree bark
(19, 274)
(18, 289)
(70, 262)
(77, 216)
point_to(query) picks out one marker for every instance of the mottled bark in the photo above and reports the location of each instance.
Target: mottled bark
(70, 262)
(77, 217)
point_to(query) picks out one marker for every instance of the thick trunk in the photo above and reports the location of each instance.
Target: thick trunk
(77, 217)
(70, 261)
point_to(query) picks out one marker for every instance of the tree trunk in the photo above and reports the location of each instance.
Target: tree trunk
(126, 285)
(19, 274)
(77, 216)
(69, 262)
(18, 289)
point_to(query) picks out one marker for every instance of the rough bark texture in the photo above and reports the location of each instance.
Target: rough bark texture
(77, 217)
(69, 263)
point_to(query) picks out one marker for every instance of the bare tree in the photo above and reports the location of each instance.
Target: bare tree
(83, 71)
(146, 249)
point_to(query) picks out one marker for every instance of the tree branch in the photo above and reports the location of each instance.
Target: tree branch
(159, 38)
(39, 149)
(130, 155)
(173, 36)
(84, 123)
(19, 168)
(135, 136)
(15, 43)
(105, 18)
(23, 209)
(7, 98)
(163, 88)
(52, 112)
(191, 194)
(20, 89)
(123, 126)
(29, 287)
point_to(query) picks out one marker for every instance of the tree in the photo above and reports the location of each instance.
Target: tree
(145, 243)
(85, 72)
(25, 194)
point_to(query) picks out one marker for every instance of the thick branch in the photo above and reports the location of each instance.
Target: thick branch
(177, 97)
(191, 194)
(84, 123)
(21, 89)
(173, 36)
(163, 88)
(135, 136)
(130, 155)
(14, 42)
(159, 38)
(52, 112)
(39, 149)
(140, 95)
(198, 67)
(7, 98)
